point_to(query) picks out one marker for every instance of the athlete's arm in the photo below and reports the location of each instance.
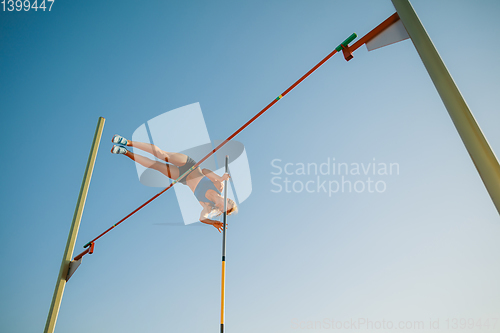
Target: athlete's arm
(204, 219)
(217, 225)
(218, 181)
(211, 175)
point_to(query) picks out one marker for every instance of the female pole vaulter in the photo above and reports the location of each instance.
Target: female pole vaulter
(206, 185)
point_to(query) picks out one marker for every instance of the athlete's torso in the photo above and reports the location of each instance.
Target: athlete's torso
(201, 189)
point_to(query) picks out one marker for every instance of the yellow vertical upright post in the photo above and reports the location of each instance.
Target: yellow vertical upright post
(223, 283)
(476, 144)
(73, 232)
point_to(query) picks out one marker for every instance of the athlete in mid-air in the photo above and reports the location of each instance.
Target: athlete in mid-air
(206, 185)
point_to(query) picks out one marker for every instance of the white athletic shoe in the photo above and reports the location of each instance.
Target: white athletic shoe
(118, 139)
(118, 150)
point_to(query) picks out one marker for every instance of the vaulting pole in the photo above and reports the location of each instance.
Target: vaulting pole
(223, 284)
(479, 150)
(73, 232)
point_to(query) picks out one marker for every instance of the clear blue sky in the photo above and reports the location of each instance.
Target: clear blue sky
(425, 248)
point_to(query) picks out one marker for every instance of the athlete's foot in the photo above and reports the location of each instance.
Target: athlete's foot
(118, 139)
(119, 150)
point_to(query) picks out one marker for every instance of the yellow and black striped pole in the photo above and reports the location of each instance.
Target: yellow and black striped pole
(223, 283)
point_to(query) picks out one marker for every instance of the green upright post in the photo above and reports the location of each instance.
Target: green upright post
(73, 232)
(476, 144)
